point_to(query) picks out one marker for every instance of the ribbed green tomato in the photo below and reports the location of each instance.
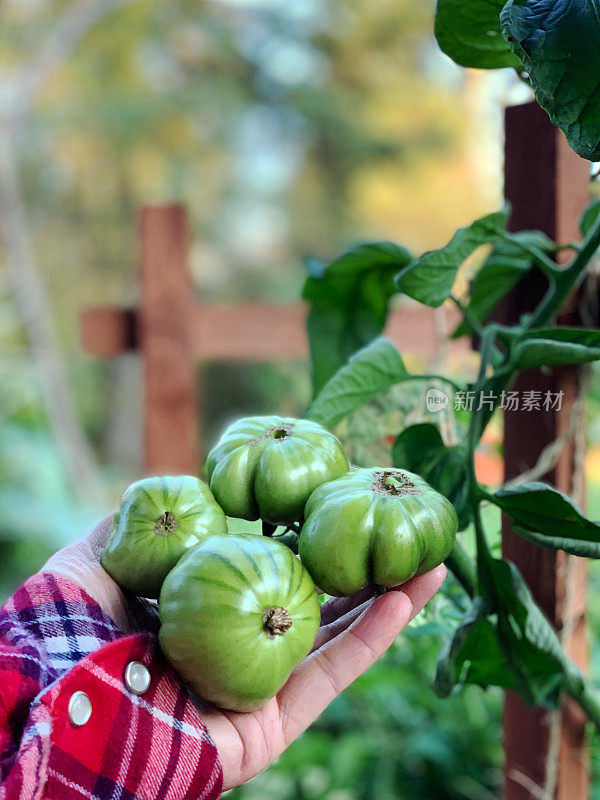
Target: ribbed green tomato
(157, 521)
(374, 526)
(267, 467)
(238, 613)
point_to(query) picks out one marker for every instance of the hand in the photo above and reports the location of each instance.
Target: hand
(355, 631)
(80, 562)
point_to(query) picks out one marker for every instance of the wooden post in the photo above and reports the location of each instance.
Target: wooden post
(548, 187)
(175, 335)
(165, 343)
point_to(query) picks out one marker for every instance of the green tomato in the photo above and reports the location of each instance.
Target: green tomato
(238, 613)
(267, 467)
(375, 526)
(157, 521)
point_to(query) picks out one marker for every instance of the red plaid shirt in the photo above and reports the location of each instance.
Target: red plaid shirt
(55, 640)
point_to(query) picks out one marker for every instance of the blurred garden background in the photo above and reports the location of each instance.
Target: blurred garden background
(290, 130)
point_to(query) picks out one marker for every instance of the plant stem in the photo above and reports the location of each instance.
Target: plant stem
(567, 279)
(472, 320)
(561, 287)
(462, 566)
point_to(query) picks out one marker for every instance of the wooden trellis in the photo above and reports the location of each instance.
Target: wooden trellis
(174, 335)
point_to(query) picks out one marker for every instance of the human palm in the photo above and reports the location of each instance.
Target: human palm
(355, 631)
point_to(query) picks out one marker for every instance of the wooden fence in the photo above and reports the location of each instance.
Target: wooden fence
(175, 335)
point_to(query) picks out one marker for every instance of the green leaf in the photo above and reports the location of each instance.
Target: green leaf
(349, 303)
(469, 32)
(505, 640)
(473, 654)
(369, 371)
(430, 278)
(550, 346)
(558, 42)
(507, 263)
(537, 660)
(549, 518)
(420, 449)
(589, 216)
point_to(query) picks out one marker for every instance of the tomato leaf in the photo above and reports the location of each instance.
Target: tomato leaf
(430, 278)
(589, 216)
(505, 640)
(558, 42)
(420, 449)
(369, 371)
(473, 654)
(549, 346)
(349, 303)
(469, 32)
(549, 518)
(507, 263)
(537, 660)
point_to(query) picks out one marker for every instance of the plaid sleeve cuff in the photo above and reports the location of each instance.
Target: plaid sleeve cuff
(117, 722)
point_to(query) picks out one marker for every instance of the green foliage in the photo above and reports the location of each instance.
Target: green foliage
(349, 301)
(508, 262)
(368, 372)
(430, 279)
(589, 217)
(535, 655)
(469, 32)
(558, 42)
(547, 347)
(473, 655)
(554, 43)
(503, 638)
(549, 518)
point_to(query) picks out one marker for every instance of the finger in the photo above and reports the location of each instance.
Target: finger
(329, 670)
(328, 632)
(338, 606)
(421, 588)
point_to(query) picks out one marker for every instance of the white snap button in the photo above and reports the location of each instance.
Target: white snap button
(80, 708)
(137, 677)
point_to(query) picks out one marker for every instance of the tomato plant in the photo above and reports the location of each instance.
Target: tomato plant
(553, 44)
(504, 639)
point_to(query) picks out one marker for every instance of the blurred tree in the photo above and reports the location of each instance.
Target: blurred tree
(287, 128)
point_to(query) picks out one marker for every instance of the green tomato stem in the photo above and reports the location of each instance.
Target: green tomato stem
(462, 566)
(472, 320)
(567, 279)
(561, 285)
